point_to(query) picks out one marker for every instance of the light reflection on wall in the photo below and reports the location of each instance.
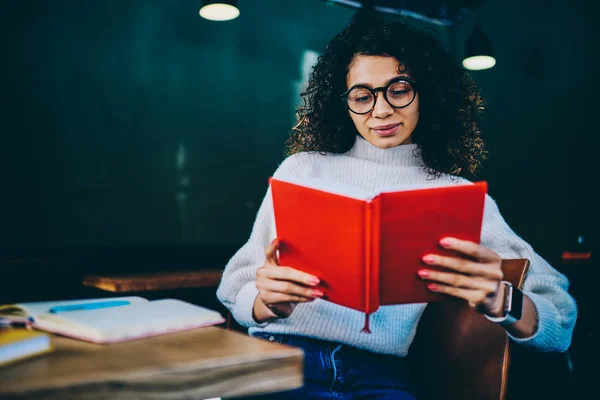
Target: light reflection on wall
(184, 181)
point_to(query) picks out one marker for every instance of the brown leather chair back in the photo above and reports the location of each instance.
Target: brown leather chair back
(458, 354)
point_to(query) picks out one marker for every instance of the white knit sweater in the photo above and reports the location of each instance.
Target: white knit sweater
(393, 327)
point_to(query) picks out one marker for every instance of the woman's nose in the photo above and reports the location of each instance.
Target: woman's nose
(382, 108)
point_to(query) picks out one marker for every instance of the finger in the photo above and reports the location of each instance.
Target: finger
(271, 252)
(475, 298)
(472, 249)
(290, 274)
(269, 285)
(454, 279)
(465, 266)
(272, 298)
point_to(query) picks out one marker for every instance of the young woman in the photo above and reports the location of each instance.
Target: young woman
(385, 105)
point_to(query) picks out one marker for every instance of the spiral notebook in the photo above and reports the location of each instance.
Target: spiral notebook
(110, 320)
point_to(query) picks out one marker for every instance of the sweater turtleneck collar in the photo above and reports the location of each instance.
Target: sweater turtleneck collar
(402, 155)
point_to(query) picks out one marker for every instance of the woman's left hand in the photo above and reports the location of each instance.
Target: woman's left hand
(474, 275)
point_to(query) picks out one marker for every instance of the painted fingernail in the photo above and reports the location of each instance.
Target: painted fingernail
(424, 273)
(313, 280)
(446, 242)
(317, 293)
(429, 259)
(432, 287)
(274, 241)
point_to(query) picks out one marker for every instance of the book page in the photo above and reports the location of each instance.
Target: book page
(327, 186)
(352, 191)
(34, 310)
(405, 187)
(138, 320)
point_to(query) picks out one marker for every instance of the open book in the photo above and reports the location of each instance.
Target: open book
(366, 248)
(111, 320)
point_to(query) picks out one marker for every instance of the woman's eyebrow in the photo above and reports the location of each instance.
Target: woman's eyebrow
(371, 86)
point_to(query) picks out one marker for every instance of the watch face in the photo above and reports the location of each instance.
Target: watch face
(516, 309)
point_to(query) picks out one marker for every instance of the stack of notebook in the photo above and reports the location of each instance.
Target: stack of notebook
(18, 344)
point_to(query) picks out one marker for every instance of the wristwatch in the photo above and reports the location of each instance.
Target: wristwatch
(513, 306)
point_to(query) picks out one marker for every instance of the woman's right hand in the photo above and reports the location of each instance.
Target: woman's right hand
(280, 289)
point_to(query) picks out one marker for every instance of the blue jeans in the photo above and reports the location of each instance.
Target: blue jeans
(337, 371)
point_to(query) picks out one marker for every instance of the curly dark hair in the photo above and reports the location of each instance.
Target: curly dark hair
(447, 134)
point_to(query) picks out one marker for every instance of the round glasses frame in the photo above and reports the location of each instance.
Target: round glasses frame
(384, 89)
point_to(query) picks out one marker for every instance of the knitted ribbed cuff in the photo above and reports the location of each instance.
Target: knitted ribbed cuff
(244, 302)
(547, 336)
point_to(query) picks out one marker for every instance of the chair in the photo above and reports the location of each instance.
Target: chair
(458, 354)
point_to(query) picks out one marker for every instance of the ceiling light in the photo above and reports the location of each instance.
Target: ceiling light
(219, 10)
(478, 51)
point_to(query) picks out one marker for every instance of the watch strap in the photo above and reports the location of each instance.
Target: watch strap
(507, 319)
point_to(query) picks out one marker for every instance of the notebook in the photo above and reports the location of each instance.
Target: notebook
(101, 321)
(366, 248)
(21, 344)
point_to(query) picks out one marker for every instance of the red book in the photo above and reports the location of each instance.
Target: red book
(367, 248)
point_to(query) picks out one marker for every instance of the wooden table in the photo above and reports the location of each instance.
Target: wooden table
(155, 281)
(197, 364)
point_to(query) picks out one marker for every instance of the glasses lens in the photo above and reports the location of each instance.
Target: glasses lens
(360, 100)
(400, 94)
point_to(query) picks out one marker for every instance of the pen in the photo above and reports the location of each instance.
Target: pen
(89, 306)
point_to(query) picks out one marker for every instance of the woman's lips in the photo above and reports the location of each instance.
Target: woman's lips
(386, 130)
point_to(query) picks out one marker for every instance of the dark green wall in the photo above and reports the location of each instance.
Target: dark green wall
(138, 122)
(541, 125)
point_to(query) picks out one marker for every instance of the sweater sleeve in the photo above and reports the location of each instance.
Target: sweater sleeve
(237, 290)
(544, 285)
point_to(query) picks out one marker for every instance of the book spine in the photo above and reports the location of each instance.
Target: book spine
(368, 262)
(372, 257)
(375, 252)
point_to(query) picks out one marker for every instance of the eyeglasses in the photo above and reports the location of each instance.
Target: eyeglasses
(399, 93)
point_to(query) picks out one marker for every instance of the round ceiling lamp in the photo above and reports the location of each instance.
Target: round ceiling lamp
(219, 10)
(478, 51)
